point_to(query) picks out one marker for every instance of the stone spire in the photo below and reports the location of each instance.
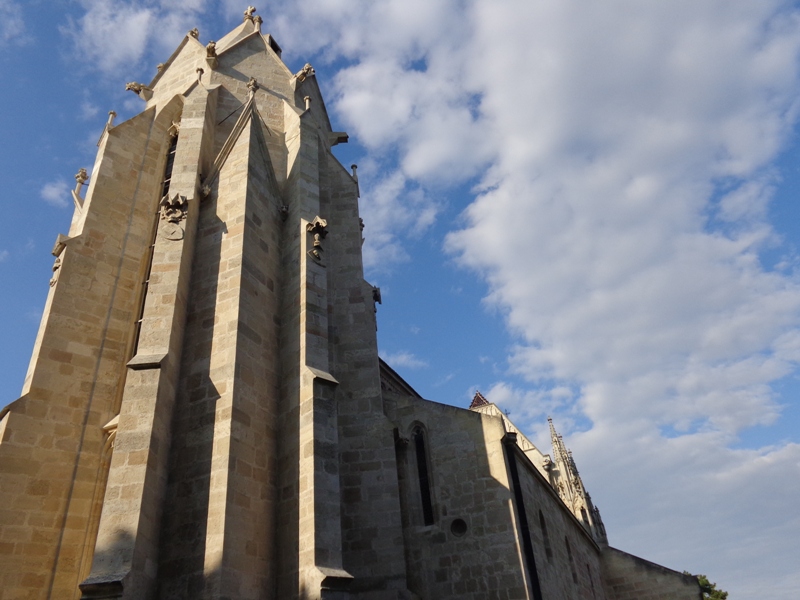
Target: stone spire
(566, 480)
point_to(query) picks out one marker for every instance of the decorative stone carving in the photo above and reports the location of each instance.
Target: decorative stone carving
(173, 210)
(200, 72)
(303, 73)
(80, 180)
(248, 14)
(376, 294)
(252, 85)
(110, 430)
(174, 129)
(284, 212)
(195, 33)
(361, 228)
(58, 248)
(257, 21)
(317, 228)
(160, 67)
(144, 92)
(211, 54)
(56, 267)
(354, 167)
(81, 177)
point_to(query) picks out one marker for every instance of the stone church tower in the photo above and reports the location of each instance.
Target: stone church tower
(205, 414)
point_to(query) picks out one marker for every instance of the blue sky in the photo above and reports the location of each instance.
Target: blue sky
(583, 210)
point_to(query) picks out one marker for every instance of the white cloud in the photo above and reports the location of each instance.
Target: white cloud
(56, 193)
(392, 207)
(403, 359)
(111, 34)
(4, 254)
(12, 25)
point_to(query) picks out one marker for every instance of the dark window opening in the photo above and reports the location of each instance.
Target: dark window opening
(170, 162)
(571, 562)
(548, 549)
(424, 478)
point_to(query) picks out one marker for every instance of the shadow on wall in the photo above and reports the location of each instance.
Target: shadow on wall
(182, 548)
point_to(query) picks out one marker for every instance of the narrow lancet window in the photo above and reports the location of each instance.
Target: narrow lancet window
(548, 549)
(424, 477)
(170, 162)
(571, 562)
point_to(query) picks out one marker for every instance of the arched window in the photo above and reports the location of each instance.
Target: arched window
(548, 549)
(424, 476)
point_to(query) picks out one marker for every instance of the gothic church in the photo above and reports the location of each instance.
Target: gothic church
(205, 414)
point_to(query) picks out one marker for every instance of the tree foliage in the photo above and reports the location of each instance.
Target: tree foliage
(710, 591)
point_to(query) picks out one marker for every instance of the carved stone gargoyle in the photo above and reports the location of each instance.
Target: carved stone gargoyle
(141, 90)
(303, 73)
(317, 229)
(211, 54)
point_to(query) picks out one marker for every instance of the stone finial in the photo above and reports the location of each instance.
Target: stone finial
(317, 228)
(195, 33)
(376, 295)
(303, 73)
(248, 14)
(160, 67)
(252, 85)
(354, 167)
(308, 102)
(258, 21)
(111, 116)
(81, 176)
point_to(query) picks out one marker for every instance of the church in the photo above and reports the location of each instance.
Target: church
(205, 414)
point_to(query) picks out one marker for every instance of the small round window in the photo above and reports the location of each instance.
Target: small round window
(458, 527)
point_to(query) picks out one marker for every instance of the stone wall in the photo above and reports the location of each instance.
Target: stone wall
(628, 577)
(567, 559)
(470, 548)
